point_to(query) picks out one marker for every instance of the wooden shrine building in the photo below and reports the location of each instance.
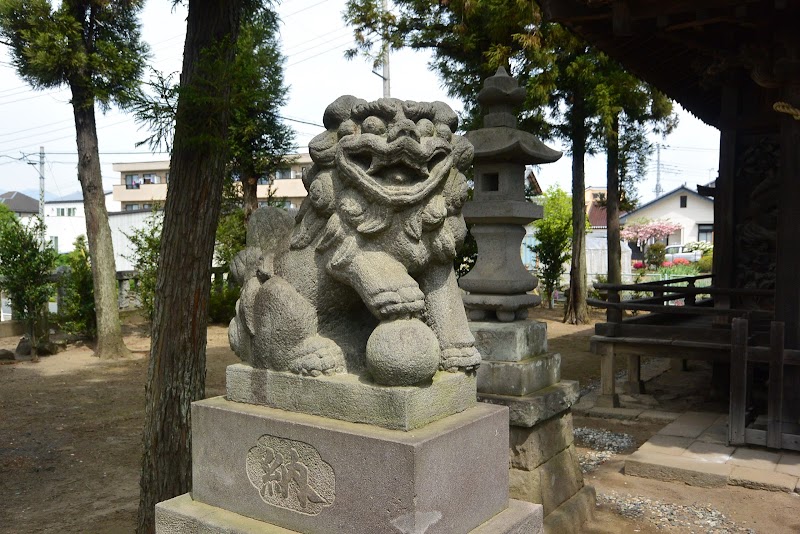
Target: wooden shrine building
(735, 64)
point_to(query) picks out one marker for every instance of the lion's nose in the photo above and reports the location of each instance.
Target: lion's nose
(402, 128)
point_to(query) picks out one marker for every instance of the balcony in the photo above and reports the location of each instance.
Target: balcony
(145, 193)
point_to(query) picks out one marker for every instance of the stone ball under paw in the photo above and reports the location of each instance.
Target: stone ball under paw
(402, 352)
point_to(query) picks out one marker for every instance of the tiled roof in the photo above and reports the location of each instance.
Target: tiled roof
(19, 203)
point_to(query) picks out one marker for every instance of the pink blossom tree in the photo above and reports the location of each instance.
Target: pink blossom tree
(645, 231)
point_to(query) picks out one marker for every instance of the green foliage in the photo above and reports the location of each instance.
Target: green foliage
(554, 236)
(705, 262)
(655, 254)
(222, 302)
(78, 313)
(146, 243)
(231, 236)
(90, 45)
(679, 271)
(6, 215)
(25, 267)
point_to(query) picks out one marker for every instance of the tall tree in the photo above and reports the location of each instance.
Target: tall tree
(94, 48)
(259, 139)
(200, 153)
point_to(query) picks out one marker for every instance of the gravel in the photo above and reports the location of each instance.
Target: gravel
(603, 444)
(697, 519)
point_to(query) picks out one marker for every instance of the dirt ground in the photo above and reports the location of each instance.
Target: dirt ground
(70, 445)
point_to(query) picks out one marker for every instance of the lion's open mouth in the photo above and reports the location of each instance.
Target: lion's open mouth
(395, 171)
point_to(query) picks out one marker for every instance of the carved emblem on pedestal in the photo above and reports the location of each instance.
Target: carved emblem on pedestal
(290, 474)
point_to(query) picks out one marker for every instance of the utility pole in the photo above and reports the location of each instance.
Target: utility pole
(387, 90)
(658, 170)
(41, 183)
(384, 75)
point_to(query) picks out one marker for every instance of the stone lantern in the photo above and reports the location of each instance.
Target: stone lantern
(499, 282)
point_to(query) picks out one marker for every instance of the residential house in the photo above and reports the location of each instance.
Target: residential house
(691, 210)
(65, 219)
(143, 184)
(22, 205)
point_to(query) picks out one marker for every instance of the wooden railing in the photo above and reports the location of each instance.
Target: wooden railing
(664, 291)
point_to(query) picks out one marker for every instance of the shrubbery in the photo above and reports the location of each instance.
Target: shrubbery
(705, 262)
(78, 313)
(655, 254)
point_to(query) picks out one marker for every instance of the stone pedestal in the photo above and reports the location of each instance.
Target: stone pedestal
(519, 373)
(257, 468)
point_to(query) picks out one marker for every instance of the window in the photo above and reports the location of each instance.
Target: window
(131, 207)
(132, 181)
(684, 198)
(166, 177)
(705, 232)
(264, 180)
(70, 212)
(59, 212)
(147, 206)
(150, 178)
(283, 174)
(490, 182)
(54, 242)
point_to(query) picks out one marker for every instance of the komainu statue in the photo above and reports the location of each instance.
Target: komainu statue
(364, 280)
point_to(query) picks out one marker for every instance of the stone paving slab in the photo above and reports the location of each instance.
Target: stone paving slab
(690, 424)
(789, 464)
(707, 460)
(658, 416)
(615, 413)
(709, 452)
(755, 458)
(677, 469)
(671, 445)
(762, 479)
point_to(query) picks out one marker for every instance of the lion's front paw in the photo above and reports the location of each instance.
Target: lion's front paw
(460, 359)
(404, 301)
(315, 356)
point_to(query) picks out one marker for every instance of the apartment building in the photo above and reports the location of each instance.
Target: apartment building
(143, 184)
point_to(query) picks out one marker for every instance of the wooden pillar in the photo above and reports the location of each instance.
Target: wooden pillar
(787, 270)
(634, 383)
(608, 397)
(724, 194)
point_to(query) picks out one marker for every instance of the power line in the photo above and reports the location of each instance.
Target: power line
(303, 9)
(319, 54)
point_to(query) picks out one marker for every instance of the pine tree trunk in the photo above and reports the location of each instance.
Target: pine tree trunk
(98, 233)
(176, 373)
(612, 213)
(576, 311)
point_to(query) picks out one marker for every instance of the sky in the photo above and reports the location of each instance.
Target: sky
(314, 39)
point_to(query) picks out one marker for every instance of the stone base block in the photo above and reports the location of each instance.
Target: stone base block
(317, 475)
(350, 398)
(528, 410)
(509, 342)
(531, 447)
(552, 483)
(571, 516)
(506, 308)
(182, 515)
(519, 378)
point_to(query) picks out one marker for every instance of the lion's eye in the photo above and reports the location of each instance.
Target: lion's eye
(373, 125)
(425, 128)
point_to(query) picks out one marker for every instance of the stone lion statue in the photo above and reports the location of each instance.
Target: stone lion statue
(364, 279)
